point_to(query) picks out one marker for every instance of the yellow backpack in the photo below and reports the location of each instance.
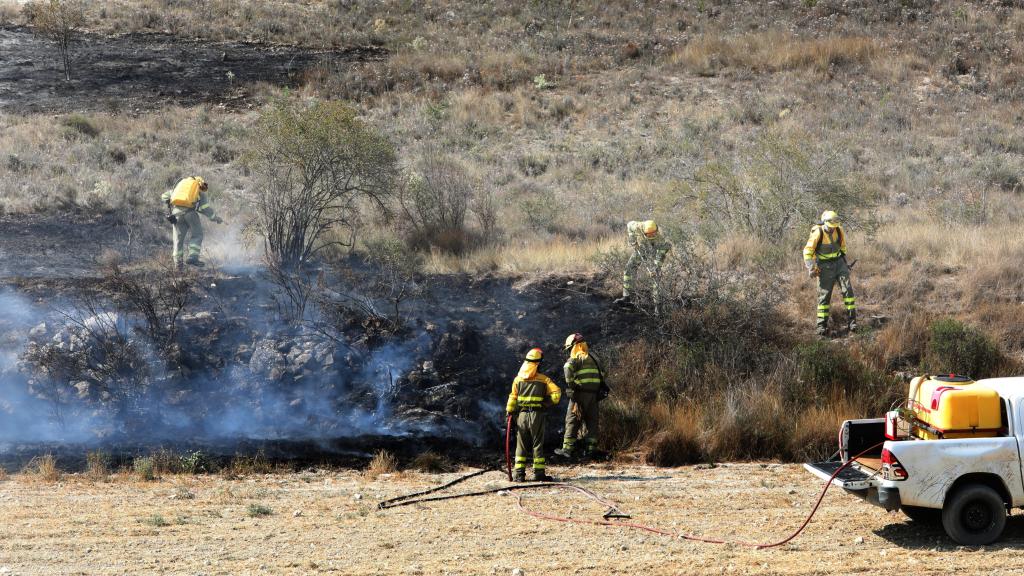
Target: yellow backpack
(186, 193)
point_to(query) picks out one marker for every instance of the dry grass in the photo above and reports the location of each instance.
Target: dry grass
(3, 474)
(383, 462)
(43, 468)
(432, 462)
(97, 466)
(774, 51)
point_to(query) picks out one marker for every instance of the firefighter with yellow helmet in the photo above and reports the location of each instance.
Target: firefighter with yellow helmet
(532, 394)
(585, 387)
(649, 248)
(825, 259)
(185, 202)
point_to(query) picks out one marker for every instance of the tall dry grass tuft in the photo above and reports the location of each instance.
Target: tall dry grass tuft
(774, 51)
(43, 468)
(3, 474)
(97, 466)
(383, 462)
(432, 462)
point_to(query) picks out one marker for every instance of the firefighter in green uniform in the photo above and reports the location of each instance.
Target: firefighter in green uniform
(185, 202)
(825, 258)
(649, 248)
(585, 387)
(532, 394)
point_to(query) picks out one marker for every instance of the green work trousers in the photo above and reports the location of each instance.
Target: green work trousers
(830, 273)
(530, 439)
(187, 227)
(633, 266)
(581, 420)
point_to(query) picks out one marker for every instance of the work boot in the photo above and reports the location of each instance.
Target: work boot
(541, 476)
(567, 454)
(622, 301)
(851, 323)
(519, 476)
(195, 261)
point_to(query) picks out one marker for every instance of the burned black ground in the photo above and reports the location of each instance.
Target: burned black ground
(136, 72)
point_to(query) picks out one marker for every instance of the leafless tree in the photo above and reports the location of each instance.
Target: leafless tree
(60, 21)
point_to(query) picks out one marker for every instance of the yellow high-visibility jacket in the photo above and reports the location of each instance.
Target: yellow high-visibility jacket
(825, 246)
(535, 393)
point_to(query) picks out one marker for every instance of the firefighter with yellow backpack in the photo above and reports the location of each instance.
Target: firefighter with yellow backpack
(532, 394)
(825, 259)
(185, 202)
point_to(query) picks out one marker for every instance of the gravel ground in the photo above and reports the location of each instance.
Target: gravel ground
(326, 522)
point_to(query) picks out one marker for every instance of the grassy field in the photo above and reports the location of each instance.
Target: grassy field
(321, 522)
(734, 125)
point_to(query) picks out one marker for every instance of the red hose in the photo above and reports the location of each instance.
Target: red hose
(690, 536)
(508, 446)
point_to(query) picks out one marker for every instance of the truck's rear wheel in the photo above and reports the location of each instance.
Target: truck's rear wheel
(974, 515)
(922, 515)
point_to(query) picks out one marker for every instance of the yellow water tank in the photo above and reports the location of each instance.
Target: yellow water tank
(954, 407)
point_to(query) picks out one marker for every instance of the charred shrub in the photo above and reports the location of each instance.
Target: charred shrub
(956, 347)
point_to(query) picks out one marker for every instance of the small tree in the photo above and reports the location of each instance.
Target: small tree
(434, 200)
(315, 165)
(60, 21)
(396, 278)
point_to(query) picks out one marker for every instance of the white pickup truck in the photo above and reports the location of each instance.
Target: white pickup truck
(967, 484)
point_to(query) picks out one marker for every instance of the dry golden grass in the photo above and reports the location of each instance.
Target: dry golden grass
(3, 474)
(774, 51)
(557, 255)
(97, 466)
(43, 468)
(383, 462)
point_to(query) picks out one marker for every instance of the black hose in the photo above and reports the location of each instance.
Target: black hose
(391, 503)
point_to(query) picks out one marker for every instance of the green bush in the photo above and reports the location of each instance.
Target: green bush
(144, 468)
(82, 125)
(257, 510)
(956, 347)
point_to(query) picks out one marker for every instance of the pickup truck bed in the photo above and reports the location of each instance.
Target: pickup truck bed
(851, 478)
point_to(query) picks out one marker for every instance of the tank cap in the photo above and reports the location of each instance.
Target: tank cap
(953, 378)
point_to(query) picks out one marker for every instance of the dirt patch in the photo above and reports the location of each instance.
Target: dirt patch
(319, 522)
(146, 71)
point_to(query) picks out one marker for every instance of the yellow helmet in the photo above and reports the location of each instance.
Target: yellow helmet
(202, 183)
(571, 340)
(534, 355)
(830, 217)
(650, 228)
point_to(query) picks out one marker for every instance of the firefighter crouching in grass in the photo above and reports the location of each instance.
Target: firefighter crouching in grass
(185, 202)
(585, 387)
(532, 394)
(825, 258)
(649, 248)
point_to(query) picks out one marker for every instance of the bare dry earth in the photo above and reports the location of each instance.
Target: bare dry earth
(327, 523)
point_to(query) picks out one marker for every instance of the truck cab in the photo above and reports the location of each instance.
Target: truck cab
(966, 483)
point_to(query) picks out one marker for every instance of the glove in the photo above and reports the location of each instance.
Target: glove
(603, 393)
(570, 392)
(172, 218)
(813, 271)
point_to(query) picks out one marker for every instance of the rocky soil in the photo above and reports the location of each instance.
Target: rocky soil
(327, 523)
